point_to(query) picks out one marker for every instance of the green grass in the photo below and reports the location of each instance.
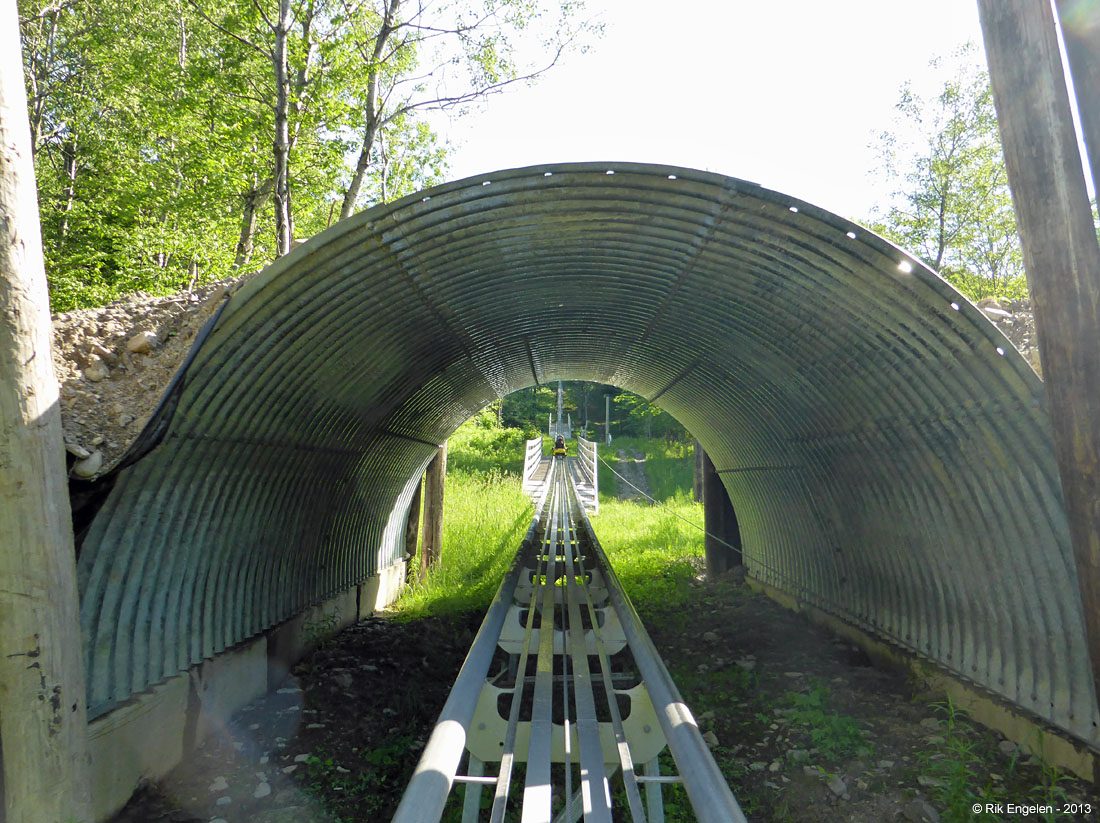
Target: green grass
(480, 446)
(835, 736)
(654, 552)
(485, 516)
(669, 467)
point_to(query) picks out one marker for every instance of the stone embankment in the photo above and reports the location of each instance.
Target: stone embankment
(113, 364)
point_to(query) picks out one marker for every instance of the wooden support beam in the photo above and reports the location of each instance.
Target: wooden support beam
(431, 549)
(1080, 21)
(722, 543)
(1062, 260)
(412, 528)
(43, 722)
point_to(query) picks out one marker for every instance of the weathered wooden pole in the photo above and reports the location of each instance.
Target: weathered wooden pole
(43, 722)
(1062, 260)
(1081, 33)
(431, 549)
(722, 543)
(412, 529)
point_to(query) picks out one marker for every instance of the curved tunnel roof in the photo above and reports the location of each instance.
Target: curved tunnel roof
(886, 449)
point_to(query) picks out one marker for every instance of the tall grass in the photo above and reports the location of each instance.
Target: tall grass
(654, 553)
(485, 516)
(652, 549)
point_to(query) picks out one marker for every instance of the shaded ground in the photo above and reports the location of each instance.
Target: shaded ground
(804, 729)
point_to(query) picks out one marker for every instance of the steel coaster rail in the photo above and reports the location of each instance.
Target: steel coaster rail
(436, 773)
(710, 796)
(507, 759)
(431, 783)
(577, 572)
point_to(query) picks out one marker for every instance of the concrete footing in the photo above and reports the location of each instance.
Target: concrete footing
(1031, 733)
(151, 734)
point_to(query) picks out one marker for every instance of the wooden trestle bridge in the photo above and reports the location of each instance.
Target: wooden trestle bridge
(563, 678)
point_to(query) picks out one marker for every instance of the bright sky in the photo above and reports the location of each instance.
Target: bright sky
(785, 93)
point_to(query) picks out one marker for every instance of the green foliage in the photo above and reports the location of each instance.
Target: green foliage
(952, 767)
(834, 735)
(631, 415)
(480, 445)
(953, 207)
(153, 124)
(655, 554)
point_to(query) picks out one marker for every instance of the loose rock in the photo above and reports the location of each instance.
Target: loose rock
(89, 465)
(142, 343)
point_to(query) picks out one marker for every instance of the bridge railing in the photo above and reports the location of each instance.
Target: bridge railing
(587, 464)
(531, 460)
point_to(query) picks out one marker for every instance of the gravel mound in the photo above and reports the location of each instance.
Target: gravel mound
(114, 362)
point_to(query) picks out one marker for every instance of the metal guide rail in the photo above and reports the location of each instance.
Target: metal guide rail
(565, 696)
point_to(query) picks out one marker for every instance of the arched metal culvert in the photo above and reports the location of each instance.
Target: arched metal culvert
(886, 462)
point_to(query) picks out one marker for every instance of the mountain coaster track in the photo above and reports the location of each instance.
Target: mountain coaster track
(601, 700)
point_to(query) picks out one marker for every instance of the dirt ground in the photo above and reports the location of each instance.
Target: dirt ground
(632, 467)
(339, 740)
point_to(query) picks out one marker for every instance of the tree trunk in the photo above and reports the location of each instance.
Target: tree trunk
(43, 722)
(355, 187)
(68, 151)
(697, 475)
(431, 550)
(281, 146)
(254, 201)
(1062, 261)
(372, 114)
(1081, 34)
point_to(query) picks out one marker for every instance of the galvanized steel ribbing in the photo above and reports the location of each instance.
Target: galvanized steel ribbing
(879, 449)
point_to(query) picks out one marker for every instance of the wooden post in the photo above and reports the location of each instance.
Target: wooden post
(722, 543)
(1081, 34)
(412, 529)
(431, 550)
(43, 720)
(697, 474)
(1062, 260)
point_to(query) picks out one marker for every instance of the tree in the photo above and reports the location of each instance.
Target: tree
(179, 141)
(142, 147)
(953, 207)
(448, 55)
(43, 726)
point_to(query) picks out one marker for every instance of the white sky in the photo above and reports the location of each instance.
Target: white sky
(785, 93)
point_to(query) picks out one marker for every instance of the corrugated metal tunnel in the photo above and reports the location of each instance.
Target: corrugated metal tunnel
(887, 451)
